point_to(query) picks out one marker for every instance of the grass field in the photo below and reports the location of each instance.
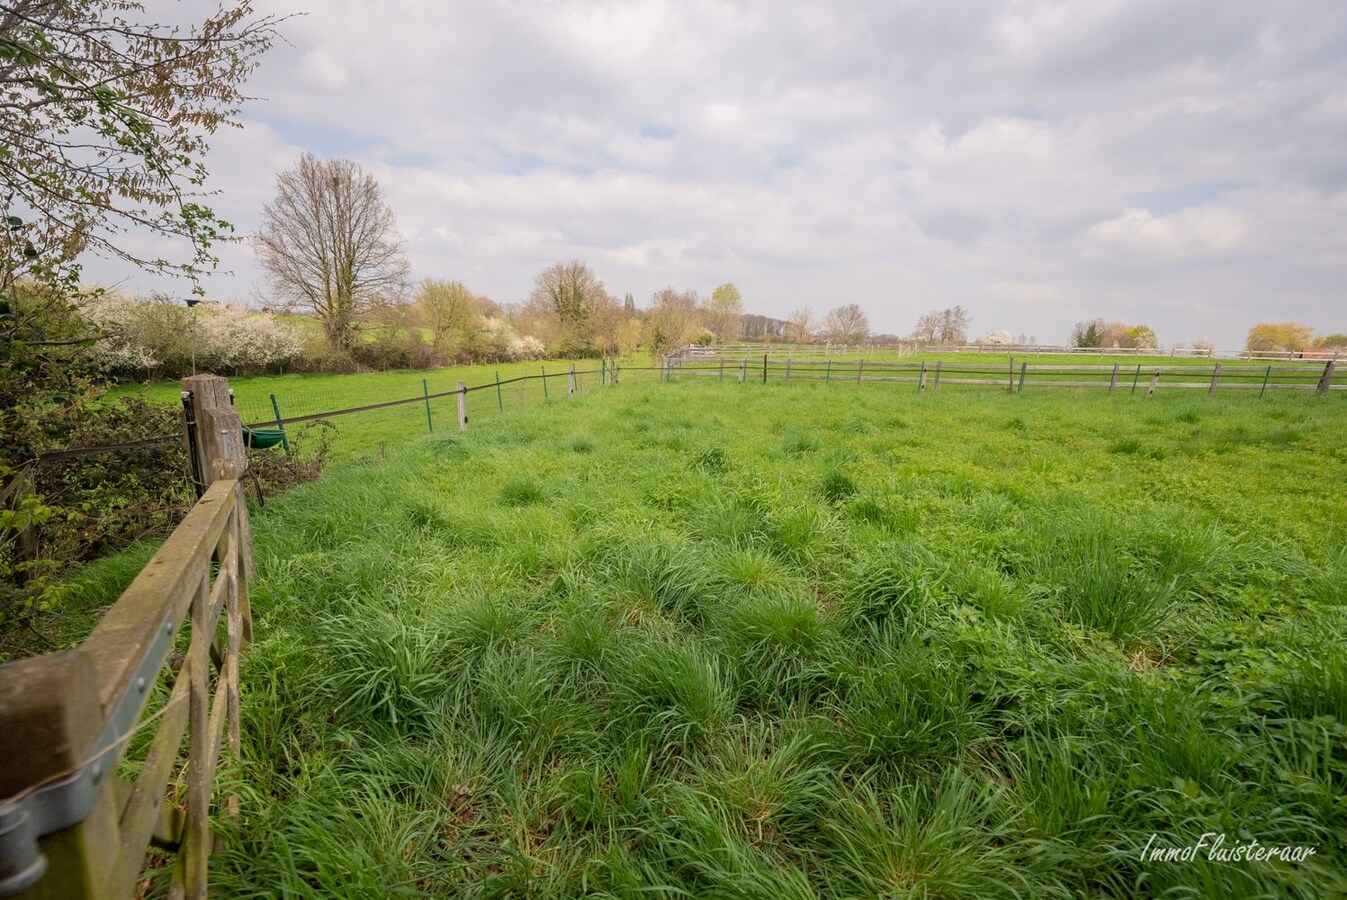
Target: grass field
(363, 433)
(705, 640)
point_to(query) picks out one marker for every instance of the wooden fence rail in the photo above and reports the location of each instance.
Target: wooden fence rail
(1320, 377)
(79, 815)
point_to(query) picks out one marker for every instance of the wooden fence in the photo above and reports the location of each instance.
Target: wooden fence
(1015, 375)
(79, 815)
(841, 352)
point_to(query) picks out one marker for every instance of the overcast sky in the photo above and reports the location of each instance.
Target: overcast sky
(1181, 164)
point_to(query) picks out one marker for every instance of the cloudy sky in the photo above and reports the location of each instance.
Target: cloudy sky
(1182, 164)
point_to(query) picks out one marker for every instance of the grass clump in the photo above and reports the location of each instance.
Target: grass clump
(521, 490)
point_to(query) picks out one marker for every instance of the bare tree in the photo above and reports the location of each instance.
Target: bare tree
(846, 324)
(928, 327)
(723, 313)
(798, 324)
(329, 244)
(954, 322)
(673, 320)
(582, 314)
(948, 326)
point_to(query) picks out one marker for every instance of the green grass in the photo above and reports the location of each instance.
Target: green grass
(711, 640)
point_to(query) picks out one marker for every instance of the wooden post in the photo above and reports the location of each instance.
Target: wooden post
(219, 431)
(787, 370)
(570, 383)
(1215, 374)
(1155, 380)
(1326, 380)
(936, 384)
(1024, 366)
(219, 437)
(615, 371)
(49, 723)
(764, 368)
(463, 405)
(921, 382)
(1113, 381)
(1010, 384)
(860, 370)
(743, 370)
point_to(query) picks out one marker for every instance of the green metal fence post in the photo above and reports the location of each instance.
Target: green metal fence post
(285, 441)
(544, 368)
(1135, 377)
(500, 401)
(1266, 376)
(425, 391)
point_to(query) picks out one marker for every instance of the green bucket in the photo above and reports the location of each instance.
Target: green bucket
(263, 438)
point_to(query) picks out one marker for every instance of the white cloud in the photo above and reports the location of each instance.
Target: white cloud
(902, 155)
(1193, 232)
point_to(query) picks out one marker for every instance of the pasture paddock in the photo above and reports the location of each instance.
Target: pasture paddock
(714, 639)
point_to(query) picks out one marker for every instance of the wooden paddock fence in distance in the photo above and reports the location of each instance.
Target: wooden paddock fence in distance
(876, 351)
(74, 823)
(1017, 375)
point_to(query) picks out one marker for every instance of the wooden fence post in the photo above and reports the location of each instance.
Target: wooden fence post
(50, 711)
(1326, 380)
(615, 372)
(570, 383)
(1155, 380)
(787, 370)
(1215, 374)
(1010, 383)
(860, 370)
(219, 431)
(921, 382)
(219, 437)
(1024, 367)
(463, 405)
(935, 385)
(1113, 382)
